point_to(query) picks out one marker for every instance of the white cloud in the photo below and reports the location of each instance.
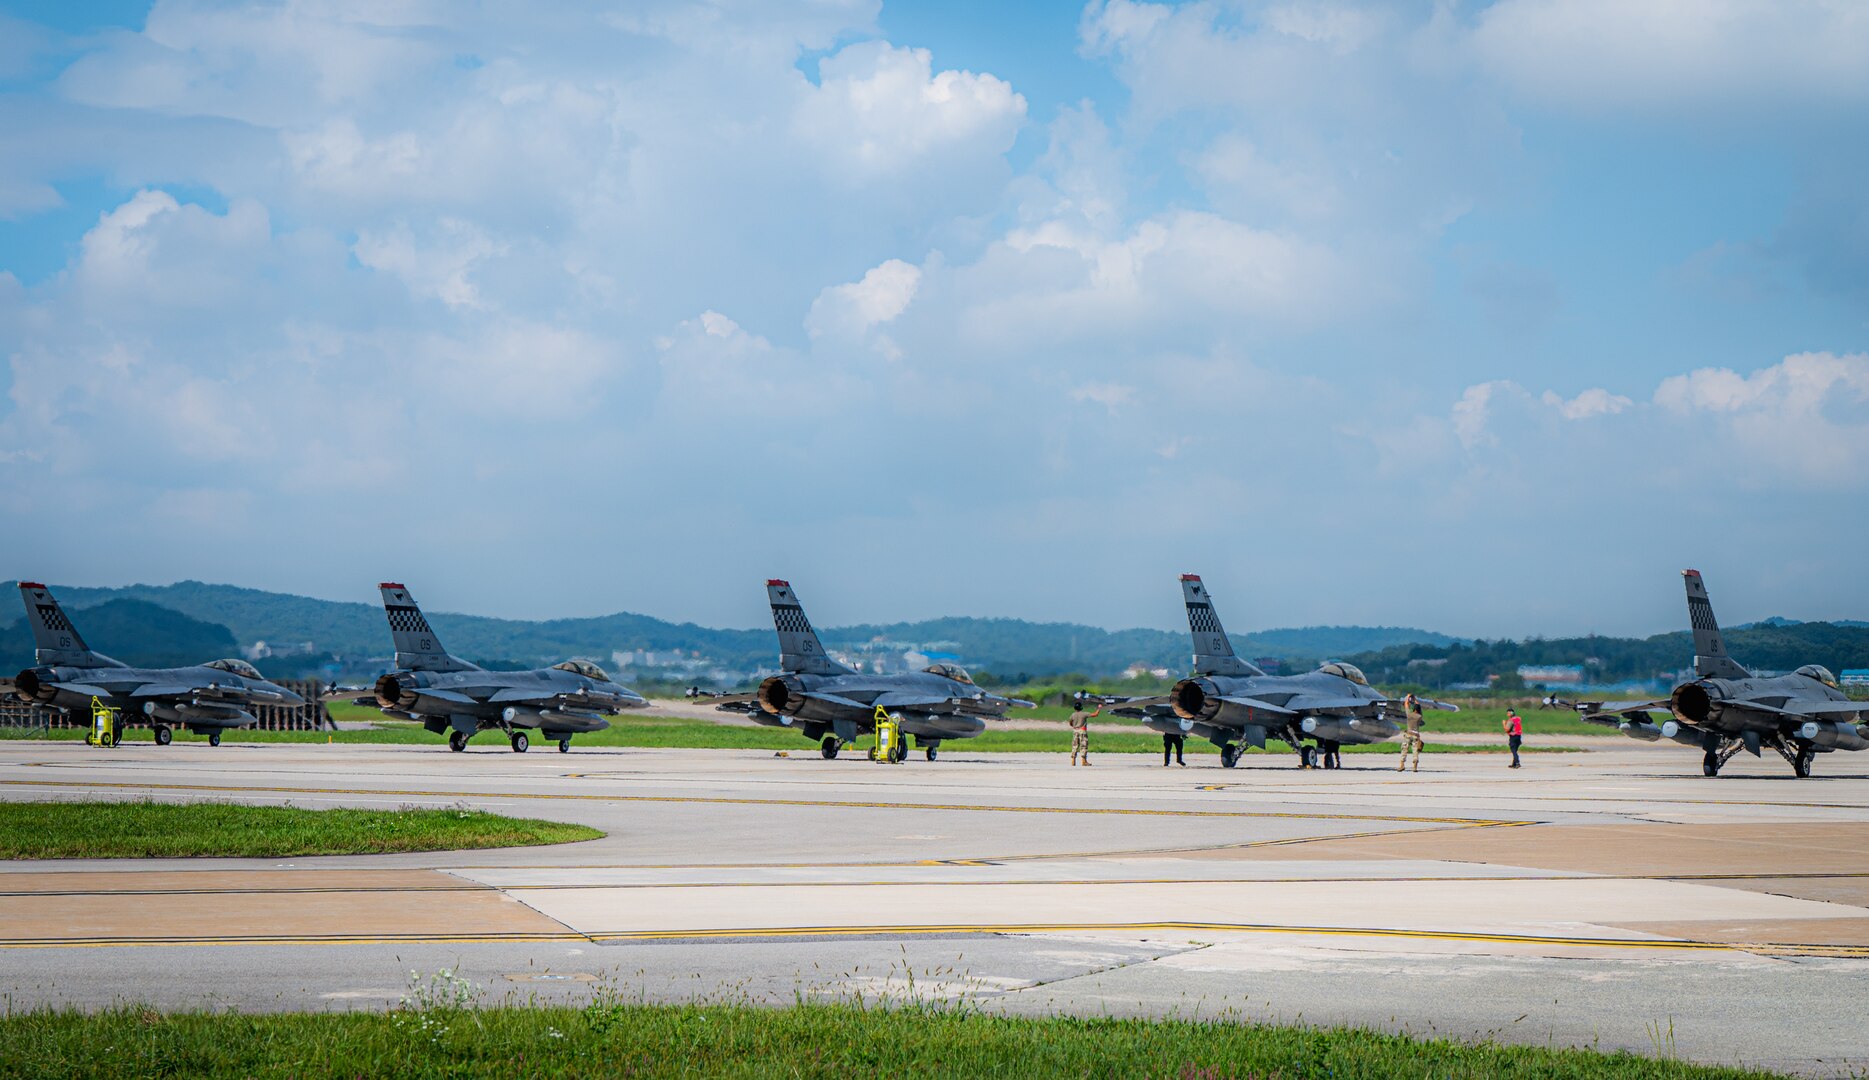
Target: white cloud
(1111, 396)
(852, 309)
(1644, 54)
(1595, 401)
(880, 111)
(436, 270)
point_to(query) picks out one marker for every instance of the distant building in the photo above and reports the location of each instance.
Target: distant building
(1138, 670)
(1551, 674)
(1855, 676)
(1271, 665)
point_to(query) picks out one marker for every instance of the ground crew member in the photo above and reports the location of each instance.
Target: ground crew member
(1411, 737)
(1080, 731)
(1515, 731)
(1173, 741)
(1332, 754)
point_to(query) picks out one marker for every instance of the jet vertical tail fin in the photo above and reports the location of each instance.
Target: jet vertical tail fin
(417, 647)
(1711, 660)
(1213, 652)
(54, 639)
(799, 648)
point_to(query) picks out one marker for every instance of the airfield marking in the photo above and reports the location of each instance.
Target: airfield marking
(721, 800)
(599, 937)
(236, 890)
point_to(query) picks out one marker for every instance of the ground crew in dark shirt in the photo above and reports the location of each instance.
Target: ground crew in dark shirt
(1515, 731)
(1173, 742)
(1332, 753)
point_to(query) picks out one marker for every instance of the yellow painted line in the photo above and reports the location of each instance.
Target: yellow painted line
(285, 939)
(721, 800)
(1650, 944)
(1210, 927)
(881, 883)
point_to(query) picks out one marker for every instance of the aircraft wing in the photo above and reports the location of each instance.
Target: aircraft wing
(1309, 703)
(445, 695)
(157, 690)
(1600, 712)
(1266, 706)
(836, 699)
(82, 688)
(1812, 708)
(1137, 703)
(904, 699)
(512, 694)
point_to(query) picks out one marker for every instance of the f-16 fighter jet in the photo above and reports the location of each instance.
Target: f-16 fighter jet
(1229, 701)
(449, 694)
(1726, 710)
(833, 705)
(66, 675)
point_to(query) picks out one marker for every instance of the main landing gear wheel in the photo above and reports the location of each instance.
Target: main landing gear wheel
(564, 746)
(828, 747)
(1801, 765)
(520, 742)
(214, 738)
(1710, 766)
(457, 742)
(1307, 757)
(929, 753)
(1229, 756)
(116, 736)
(163, 735)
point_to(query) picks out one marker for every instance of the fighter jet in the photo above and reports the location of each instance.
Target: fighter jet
(66, 675)
(1229, 701)
(449, 694)
(1725, 709)
(832, 705)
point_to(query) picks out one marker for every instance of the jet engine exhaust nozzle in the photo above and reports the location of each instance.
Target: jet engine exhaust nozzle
(393, 692)
(30, 685)
(1194, 699)
(1692, 702)
(781, 696)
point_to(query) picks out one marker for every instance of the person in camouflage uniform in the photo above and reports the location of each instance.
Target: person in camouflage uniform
(1080, 732)
(1411, 735)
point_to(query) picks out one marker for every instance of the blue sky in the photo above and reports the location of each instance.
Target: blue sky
(1487, 318)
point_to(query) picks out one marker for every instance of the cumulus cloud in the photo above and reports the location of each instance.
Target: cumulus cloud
(561, 262)
(852, 309)
(1595, 401)
(1646, 54)
(880, 111)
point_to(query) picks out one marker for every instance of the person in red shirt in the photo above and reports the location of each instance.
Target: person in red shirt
(1515, 731)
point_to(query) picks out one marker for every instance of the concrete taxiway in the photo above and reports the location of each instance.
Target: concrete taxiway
(1611, 898)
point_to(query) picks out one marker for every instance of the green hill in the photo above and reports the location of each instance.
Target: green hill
(355, 631)
(137, 632)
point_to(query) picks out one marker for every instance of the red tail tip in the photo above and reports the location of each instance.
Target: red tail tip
(392, 585)
(776, 581)
(30, 585)
(1190, 577)
(1690, 573)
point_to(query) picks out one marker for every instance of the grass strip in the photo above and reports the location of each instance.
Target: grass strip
(144, 829)
(608, 1038)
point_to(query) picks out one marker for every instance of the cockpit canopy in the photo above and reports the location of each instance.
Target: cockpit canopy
(235, 667)
(584, 668)
(952, 671)
(1818, 672)
(1345, 671)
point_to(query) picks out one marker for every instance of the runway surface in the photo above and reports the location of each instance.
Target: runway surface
(1612, 898)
